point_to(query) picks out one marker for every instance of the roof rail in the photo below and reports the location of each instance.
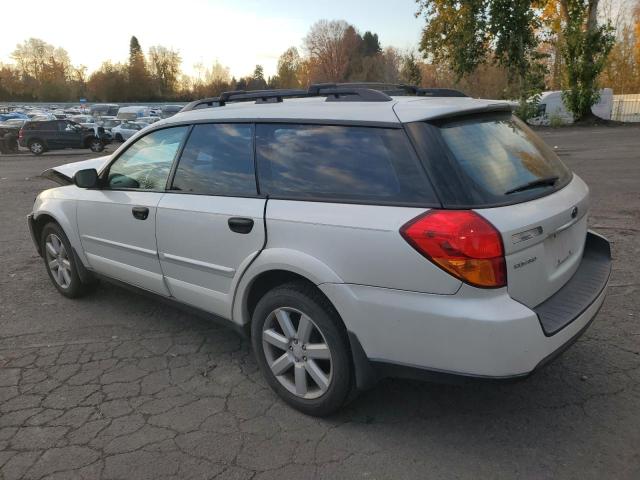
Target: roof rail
(261, 96)
(403, 88)
(203, 103)
(335, 92)
(440, 92)
(346, 92)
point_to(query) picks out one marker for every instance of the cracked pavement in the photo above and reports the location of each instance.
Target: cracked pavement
(119, 386)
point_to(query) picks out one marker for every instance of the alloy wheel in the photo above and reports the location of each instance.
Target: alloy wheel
(58, 260)
(297, 353)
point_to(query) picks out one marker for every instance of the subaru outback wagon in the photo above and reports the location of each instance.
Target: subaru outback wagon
(353, 233)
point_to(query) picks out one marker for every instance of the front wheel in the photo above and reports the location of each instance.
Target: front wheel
(302, 349)
(60, 262)
(96, 145)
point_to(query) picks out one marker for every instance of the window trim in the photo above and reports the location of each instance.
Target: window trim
(176, 164)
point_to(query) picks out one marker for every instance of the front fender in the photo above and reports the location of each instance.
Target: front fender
(285, 259)
(61, 208)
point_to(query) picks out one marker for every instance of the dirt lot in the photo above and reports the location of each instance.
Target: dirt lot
(119, 386)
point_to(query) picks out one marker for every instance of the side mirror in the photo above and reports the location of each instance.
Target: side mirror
(87, 178)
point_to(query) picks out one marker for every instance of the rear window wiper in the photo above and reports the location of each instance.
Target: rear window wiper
(540, 182)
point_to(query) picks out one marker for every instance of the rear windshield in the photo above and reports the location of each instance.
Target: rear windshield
(487, 160)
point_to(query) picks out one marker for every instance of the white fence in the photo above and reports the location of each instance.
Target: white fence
(626, 108)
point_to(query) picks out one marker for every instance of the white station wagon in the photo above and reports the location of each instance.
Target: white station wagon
(353, 233)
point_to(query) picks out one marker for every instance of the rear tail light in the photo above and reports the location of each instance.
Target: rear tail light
(460, 242)
(21, 134)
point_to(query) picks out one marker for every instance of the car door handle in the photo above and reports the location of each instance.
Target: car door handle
(240, 224)
(141, 213)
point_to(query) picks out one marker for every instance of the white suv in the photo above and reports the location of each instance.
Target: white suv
(353, 233)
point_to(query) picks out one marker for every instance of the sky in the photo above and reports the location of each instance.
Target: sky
(239, 34)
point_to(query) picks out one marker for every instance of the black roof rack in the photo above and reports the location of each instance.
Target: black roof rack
(404, 89)
(203, 103)
(347, 92)
(440, 92)
(261, 96)
(335, 92)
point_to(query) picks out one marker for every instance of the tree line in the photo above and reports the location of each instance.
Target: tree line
(487, 48)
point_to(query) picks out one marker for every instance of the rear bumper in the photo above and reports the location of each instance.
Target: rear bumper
(581, 290)
(475, 333)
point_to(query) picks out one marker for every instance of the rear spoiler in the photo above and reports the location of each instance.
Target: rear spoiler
(491, 108)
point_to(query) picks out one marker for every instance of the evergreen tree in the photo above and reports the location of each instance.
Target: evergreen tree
(138, 77)
(411, 70)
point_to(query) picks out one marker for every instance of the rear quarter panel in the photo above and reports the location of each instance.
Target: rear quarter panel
(360, 243)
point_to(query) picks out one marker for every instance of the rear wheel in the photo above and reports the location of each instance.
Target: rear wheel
(96, 145)
(60, 262)
(36, 147)
(302, 349)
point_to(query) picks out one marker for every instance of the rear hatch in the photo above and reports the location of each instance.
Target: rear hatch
(494, 164)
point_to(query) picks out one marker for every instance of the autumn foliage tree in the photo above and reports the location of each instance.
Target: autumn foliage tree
(486, 48)
(586, 47)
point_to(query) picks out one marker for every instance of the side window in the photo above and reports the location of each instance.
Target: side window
(217, 160)
(145, 165)
(337, 163)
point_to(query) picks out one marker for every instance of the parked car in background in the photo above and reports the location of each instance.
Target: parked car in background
(126, 130)
(14, 122)
(86, 120)
(12, 115)
(104, 109)
(552, 109)
(60, 134)
(133, 113)
(169, 110)
(148, 120)
(352, 234)
(109, 123)
(42, 117)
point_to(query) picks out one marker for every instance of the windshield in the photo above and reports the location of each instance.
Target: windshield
(488, 160)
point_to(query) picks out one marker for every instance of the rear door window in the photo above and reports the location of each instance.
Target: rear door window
(487, 160)
(217, 160)
(340, 163)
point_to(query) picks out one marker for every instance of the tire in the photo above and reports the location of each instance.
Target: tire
(119, 138)
(96, 145)
(68, 282)
(37, 147)
(309, 382)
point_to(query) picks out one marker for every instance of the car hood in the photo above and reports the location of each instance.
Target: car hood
(63, 174)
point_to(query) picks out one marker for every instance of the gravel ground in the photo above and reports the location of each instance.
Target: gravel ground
(119, 386)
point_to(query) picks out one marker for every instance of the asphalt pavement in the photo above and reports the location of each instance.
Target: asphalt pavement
(118, 386)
